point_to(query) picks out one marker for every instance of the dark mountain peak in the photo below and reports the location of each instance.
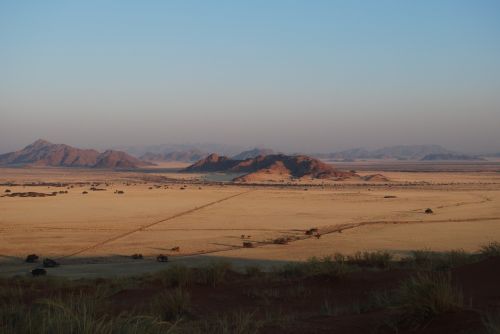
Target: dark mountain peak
(39, 143)
(212, 163)
(118, 159)
(214, 157)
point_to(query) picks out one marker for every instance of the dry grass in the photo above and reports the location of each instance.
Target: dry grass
(213, 274)
(325, 267)
(427, 295)
(237, 322)
(172, 304)
(490, 250)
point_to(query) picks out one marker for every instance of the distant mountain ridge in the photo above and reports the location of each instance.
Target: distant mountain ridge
(206, 148)
(190, 155)
(451, 156)
(403, 152)
(291, 166)
(44, 153)
(253, 153)
(193, 155)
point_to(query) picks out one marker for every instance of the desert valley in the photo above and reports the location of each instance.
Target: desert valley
(109, 215)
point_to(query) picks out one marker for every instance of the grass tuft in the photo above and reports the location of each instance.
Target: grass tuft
(176, 276)
(427, 295)
(213, 274)
(491, 322)
(429, 260)
(325, 268)
(231, 323)
(490, 250)
(378, 259)
(172, 304)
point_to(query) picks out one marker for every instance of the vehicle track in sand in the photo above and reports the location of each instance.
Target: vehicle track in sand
(144, 227)
(339, 228)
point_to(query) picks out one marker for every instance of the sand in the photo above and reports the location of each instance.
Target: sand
(96, 233)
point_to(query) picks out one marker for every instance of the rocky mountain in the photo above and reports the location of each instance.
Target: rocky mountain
(44, 153)
(402, 152)
(451, 156)
(287, 166)
(118, 159)
(213, 163)
(190, 155)
(253, 153)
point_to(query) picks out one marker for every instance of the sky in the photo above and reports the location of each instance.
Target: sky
(298, 76)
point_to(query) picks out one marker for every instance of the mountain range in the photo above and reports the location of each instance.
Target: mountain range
(399, 152)
(265, 166)
(194, 154)
(451, 157)
(190, 155)
(44, 153)
(141, 150)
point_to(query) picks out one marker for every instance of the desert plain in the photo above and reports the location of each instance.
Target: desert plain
(193, 219)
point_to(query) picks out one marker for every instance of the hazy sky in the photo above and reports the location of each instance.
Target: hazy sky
(293, 75)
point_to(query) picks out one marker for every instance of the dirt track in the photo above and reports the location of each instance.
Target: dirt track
(144, 227)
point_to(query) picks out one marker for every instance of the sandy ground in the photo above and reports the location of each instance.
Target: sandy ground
(95, 233)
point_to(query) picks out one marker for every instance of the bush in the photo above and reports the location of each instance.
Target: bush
(427, 295)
